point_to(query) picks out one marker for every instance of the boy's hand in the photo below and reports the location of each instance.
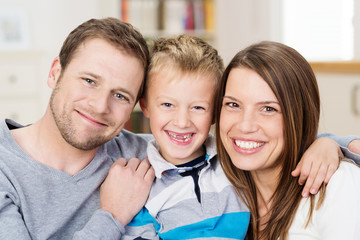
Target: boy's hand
(317, 165)
(126, 188)
(354, 146)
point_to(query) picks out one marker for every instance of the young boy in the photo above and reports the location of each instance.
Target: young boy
(191, 197)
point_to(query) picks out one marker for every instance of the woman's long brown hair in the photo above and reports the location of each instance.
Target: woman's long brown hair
(293, 82)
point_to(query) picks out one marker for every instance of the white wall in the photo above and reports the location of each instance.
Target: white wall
(243, 22)
(239, 23)
(357, 29)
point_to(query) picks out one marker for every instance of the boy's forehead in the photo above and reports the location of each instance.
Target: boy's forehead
(165, 82)
(174, 74)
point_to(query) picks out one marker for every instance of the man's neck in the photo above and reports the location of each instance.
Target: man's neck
(43, 142)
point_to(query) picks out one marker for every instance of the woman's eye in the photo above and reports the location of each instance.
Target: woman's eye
(270, 109)
(232, 104)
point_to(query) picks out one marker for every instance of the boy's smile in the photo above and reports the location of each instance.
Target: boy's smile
(180, 108)
(180, 138)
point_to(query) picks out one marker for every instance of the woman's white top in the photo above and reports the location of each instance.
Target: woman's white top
(339, 215)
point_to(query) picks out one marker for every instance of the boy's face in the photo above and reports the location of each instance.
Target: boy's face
(180, 108)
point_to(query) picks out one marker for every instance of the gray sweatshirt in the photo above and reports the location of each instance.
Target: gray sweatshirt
(39, 202)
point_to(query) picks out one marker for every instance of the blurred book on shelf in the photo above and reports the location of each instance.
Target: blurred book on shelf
(138, 123)
(156, 18)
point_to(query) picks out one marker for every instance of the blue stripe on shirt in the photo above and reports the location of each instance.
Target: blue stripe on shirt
(222, 227)
(144, 218)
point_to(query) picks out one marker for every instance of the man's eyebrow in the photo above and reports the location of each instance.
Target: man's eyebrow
(96, 76)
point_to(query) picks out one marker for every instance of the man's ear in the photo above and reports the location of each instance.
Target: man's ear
(143, 106)
(54, 73)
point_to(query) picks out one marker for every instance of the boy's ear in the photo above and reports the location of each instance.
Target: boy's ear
(143, 106)
(54, 73)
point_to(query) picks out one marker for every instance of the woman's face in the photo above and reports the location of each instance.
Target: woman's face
(251, 122)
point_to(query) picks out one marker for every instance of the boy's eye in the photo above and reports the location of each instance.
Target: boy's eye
(167, 105)
(199, 108)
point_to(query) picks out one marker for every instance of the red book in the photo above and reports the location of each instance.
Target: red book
(189, 20)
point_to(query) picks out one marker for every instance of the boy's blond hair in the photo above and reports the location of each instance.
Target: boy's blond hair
(186, 54)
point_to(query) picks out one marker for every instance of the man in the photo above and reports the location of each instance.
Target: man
(51, 171)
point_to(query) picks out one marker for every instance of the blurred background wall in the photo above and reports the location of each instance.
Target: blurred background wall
(326, 32)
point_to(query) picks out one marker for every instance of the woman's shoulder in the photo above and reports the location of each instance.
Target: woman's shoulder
(338, 217)
(346, 176)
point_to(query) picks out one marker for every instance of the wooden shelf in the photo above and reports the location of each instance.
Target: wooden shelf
(344, 67)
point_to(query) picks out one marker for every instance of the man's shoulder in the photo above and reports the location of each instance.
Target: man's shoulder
(131, 138)
(5, 135)
(127, 144)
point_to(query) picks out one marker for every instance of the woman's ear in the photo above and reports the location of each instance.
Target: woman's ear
(54, 73)
(143, 106)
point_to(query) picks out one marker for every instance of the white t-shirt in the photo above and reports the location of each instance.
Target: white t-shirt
(339, 215)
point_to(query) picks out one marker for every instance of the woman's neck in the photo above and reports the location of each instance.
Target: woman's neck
(266, 182)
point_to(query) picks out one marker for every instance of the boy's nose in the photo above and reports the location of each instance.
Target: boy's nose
(182, 119)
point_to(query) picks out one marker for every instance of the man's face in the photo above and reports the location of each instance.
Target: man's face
(95, 95)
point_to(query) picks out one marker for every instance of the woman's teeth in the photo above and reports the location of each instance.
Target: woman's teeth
(248, 144)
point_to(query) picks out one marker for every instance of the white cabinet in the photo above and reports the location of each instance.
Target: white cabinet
(340, 103)
(20, 78)
(24, 93)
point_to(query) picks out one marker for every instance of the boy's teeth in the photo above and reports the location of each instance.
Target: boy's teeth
(248, 145)
(184, 138)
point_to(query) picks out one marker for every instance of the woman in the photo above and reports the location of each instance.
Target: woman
(267, 115)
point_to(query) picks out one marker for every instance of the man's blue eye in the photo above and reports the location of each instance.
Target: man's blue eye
(120, 96)
(89, 81)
